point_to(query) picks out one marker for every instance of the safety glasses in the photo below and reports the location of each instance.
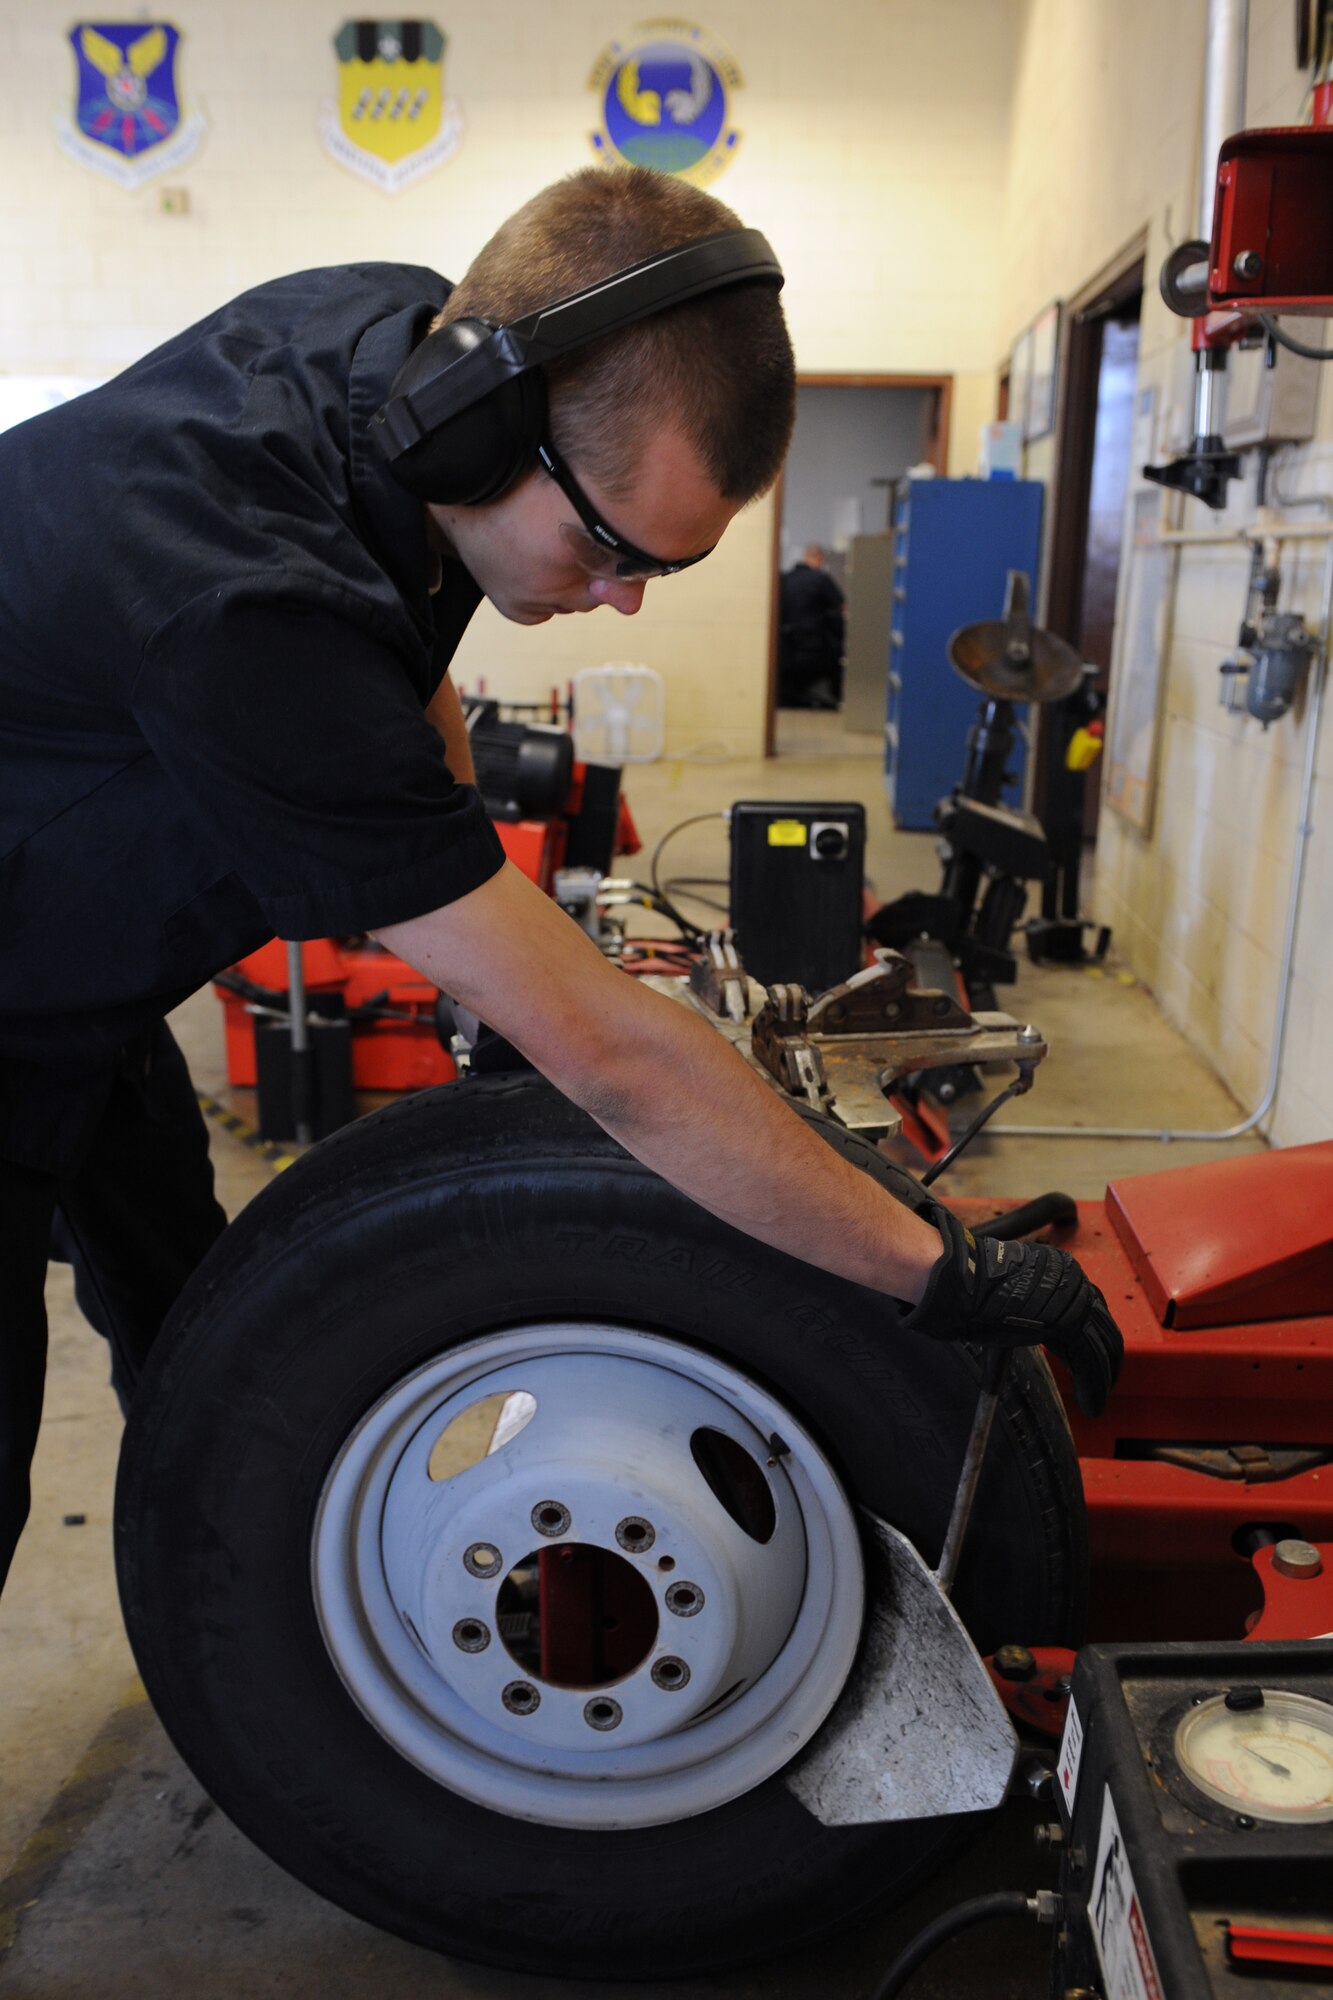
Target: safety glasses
(598, 548)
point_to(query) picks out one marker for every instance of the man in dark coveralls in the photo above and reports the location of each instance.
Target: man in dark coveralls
(225, 713)
(811, 634)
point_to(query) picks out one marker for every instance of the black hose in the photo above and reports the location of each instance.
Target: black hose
(980, 1910)
(1289, 340)
(1061, 1209)
(697, 819)
(655, 900)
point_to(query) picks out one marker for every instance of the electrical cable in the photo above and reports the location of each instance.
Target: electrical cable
(696, 820)
(653, 899)
(1289, 340)
(684, 884)
(1283, 499)
(1022, 1082)
(980, 1910)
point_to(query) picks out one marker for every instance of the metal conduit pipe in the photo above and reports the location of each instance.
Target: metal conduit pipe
(1304, 828)
(1226, 50)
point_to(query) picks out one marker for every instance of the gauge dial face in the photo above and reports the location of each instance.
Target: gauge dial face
(1273, 1761)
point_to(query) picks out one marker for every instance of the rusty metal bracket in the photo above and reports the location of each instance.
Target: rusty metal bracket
(843, 1052)
(719, 978)
(846, 1049)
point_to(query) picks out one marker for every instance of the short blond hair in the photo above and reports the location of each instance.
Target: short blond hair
(720, 368)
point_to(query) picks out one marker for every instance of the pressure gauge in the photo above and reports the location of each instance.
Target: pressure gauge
(1263, 1752)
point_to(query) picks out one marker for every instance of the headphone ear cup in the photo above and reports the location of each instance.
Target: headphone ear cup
(479, 453)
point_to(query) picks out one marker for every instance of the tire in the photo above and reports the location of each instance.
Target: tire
(402, 1244)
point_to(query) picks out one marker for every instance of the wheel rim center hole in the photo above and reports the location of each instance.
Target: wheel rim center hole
(576, 1616)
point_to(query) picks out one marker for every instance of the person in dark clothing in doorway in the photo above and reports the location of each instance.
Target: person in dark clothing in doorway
(811, 634)
(234, 578)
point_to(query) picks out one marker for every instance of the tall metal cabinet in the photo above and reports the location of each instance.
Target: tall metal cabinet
(954, 543)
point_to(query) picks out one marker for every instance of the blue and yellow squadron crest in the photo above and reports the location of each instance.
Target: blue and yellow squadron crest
(664, 97)
(391, 121)
(129, 121)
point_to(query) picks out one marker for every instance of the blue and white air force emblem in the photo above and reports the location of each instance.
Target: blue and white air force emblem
(129, 121)
(664, 98)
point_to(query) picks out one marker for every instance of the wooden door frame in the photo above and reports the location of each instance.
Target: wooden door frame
(1116, 282)
(937, 454)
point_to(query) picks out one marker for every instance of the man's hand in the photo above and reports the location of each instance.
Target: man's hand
(1019, 1295)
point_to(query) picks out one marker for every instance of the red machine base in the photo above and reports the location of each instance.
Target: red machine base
(1221, 1430)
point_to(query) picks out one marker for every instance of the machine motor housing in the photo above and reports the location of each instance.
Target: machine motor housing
(797, 875)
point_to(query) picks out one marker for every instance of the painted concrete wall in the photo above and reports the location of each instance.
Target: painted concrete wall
(1106, 116)
(872, 153)
(933, 172)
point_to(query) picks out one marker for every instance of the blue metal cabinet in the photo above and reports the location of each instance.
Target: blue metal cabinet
(954, 543)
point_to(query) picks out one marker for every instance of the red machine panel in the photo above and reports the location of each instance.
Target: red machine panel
(394, 1050)
(397, 1047)
(1295, 1607)
(1212, 1430)
(1273, 221)
(1244, 1239)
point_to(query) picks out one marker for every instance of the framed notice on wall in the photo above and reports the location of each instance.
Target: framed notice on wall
(1143, 640)
(1020, 381)
(1045, 354)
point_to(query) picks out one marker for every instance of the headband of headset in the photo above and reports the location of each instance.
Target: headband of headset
(466, 413)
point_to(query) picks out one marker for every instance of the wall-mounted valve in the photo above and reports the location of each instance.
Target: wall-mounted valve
(1271, 662)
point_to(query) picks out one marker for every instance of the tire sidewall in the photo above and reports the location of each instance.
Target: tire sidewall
(481, 1210)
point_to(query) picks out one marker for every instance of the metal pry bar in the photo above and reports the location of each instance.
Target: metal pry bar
(994, 1366)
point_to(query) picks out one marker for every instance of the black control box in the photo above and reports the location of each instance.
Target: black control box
(1196, 1786)
(797, 875)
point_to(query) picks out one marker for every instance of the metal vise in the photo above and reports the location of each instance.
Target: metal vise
(845, 1050)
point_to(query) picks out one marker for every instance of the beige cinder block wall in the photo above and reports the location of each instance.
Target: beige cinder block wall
(872, 152)
(1106, 117)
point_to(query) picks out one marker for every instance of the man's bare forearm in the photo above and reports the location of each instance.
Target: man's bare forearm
(666, 1085)
(681, 1099)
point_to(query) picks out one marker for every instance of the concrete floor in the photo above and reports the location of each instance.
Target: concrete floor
(117, 1876)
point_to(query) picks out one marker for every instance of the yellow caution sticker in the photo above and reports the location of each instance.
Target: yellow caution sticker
(787, 833)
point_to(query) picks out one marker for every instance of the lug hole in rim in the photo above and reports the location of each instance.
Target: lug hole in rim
(670, 1673)
(521, 1698)
(636, 1534)
(483, 1559)
(602, 1713)
(549, 1518)
(736, 1481)
(471, 1636)
(685, 1599)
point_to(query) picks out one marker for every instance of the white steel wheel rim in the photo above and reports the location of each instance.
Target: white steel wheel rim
(767, 1630)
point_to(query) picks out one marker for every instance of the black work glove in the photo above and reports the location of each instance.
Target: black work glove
(1020, 1295)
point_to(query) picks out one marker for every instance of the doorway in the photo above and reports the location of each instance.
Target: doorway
(1095, 461)
(854, 437)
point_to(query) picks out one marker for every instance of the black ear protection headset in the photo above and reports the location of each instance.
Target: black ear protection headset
(467, 411)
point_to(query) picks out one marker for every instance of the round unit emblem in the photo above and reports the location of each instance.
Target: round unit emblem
(664, 100)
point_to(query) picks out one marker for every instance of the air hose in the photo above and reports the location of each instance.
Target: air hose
(1044, 1907)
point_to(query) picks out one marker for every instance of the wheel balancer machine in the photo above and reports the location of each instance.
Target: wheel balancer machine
(992, 852)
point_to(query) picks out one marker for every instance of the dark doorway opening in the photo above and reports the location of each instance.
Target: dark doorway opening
(1095, 452)
(854, 435)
